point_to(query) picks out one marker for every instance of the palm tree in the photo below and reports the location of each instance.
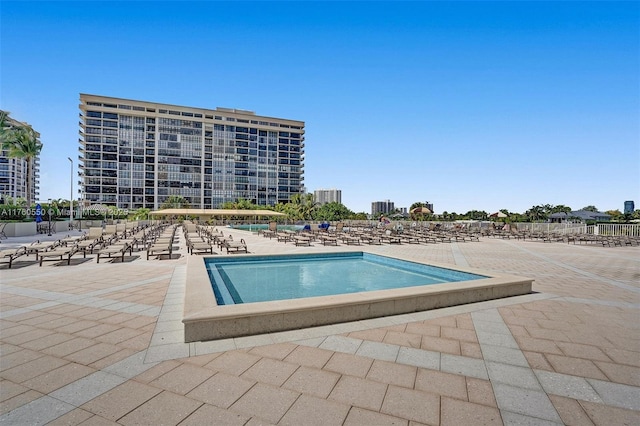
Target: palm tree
(4, 125)
(560, 208)
(536, 213)
(21, 142)
(309, 206)
(175, 202)
(301, 206)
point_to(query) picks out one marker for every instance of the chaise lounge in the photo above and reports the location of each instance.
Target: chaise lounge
(59, 253)
(236, 246)
(12, 254)
(115, 250)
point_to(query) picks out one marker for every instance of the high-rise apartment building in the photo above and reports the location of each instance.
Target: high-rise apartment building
(136, 154)
(13, 172)
(629, 207)
(325, 196)
(385, 207)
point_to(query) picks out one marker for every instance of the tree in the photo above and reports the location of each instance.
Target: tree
(515, 217)
(590, 209)
(333, 212)
(5, 129)
(239, 204)
(20, 142)
(560, 209)
(618, 216)
(536, 213)
(140, 214)
(175, 202)
(301, 207)
(476, 215)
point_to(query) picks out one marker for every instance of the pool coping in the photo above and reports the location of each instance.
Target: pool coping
(204, 320)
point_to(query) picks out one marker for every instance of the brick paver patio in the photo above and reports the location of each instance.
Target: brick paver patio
(100, 344)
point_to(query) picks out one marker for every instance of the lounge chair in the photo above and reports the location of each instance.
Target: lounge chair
(349, 239)
(197, 244)
(37, 247)
(159, 248)
(408, 238)
(88, 245)
(236, 246)
(371, 239)
(94, 233)
(59, 253)
(300, 240)
(131, 227)
(12, 254)
(116, 250)
(200, 247)
(283, 237)
(328, 240)
(110, 233)
(388, 237)
(270, 232)
(72, 240)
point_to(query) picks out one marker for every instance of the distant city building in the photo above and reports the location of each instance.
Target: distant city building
(325, 196)
(429, 206)
(382, 207)
(13, 172)
(629, 207)
(136, 154)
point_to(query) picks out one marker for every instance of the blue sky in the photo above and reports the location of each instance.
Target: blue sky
(468, 105)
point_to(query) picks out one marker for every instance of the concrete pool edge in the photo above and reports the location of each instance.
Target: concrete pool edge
(203, 320)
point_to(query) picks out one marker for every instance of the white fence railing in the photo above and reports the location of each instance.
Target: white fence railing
(617, 229)
(609, 229)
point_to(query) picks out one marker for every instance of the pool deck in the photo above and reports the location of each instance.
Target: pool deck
(101, 344)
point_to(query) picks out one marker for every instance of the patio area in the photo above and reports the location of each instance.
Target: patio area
(100, 344)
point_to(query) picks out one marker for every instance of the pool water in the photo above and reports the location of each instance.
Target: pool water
(267, 278)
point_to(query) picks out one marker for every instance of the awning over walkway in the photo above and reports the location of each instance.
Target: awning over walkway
(214, 212)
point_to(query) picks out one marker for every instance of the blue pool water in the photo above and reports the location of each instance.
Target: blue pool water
(266, 278)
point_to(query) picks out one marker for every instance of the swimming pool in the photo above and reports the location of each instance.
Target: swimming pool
(204, 319)
(268, 278)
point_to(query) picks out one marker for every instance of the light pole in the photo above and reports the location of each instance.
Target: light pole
(71, 197)
(49, 233)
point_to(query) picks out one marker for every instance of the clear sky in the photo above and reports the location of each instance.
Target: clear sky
(468, 105)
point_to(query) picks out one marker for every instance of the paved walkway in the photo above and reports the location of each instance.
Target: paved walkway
(100, 344)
